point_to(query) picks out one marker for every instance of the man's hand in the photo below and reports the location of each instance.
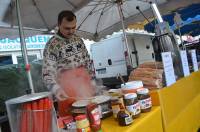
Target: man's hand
(60, 94)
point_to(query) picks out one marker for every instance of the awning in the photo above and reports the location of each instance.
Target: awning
(190, 16)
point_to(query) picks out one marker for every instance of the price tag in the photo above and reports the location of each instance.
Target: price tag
(194, 60)
(168, 68)
(184, 60)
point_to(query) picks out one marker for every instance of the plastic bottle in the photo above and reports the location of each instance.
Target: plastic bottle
(94, 117)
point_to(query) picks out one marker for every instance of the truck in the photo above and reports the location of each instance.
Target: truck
(110, 57)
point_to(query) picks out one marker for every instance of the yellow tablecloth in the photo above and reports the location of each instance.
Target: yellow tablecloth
(180, 104)
(147, 122)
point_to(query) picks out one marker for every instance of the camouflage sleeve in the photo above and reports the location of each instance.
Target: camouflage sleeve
(87, 59)
(49, 68)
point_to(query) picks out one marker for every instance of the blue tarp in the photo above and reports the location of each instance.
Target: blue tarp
(191, 20)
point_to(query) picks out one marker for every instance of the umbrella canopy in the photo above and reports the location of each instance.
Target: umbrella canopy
(101, 17)
(13, 32)
(190, 20)
(40, 14)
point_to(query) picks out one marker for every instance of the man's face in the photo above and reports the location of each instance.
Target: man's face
(67, 28)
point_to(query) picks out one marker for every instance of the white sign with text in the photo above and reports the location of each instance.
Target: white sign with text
(194, 60)
(185, 65)
(168, 68)
(34, 42)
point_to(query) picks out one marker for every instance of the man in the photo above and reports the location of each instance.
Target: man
(63, 51)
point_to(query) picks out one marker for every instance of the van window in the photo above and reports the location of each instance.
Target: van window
(5, 60)
(30, 59)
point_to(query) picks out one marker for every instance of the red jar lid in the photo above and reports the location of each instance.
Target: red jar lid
(80, 117)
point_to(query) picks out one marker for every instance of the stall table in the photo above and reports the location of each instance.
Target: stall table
(147, 122)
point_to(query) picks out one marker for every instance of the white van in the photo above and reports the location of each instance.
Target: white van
(110, 57)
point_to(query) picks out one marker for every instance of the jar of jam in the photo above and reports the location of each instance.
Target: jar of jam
(124, 119)
(144, 100)
(82, 123)
(132, 105)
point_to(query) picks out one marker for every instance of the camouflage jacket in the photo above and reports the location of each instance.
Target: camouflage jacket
(61, 53)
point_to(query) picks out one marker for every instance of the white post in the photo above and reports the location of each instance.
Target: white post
(123, 29)
(23, 46)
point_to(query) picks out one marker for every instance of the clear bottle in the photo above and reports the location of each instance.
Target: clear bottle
(116, 105)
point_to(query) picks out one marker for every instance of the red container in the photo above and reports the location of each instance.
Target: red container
(94, 117)
(82, 123)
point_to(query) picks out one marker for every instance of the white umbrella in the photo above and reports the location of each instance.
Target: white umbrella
(102, 17)
(39, 14)
(13, 32)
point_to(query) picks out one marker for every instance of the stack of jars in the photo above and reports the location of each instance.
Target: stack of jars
(85, 122)
(133, 102)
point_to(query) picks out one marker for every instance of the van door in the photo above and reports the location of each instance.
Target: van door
(108, 57)
(99, 59)
(133, 52)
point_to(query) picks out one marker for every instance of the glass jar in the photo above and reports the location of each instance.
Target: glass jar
(117, 105)
(132, 104)
(124, 119)
(144, 100)
(82, 123)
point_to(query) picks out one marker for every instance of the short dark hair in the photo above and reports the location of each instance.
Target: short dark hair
(67, 14)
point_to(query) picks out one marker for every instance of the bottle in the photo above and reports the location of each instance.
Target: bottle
(116, 105)
(82, 123)
(144, 100)
(94, 115)
(124, 118)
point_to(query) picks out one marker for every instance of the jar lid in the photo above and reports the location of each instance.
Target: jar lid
(132, 85)
(80, 103)
(101, 99)
(143, 91)
(130, 96)
(80, 117)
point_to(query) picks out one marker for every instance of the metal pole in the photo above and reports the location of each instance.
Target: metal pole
(179, 31)
(119, 2)
(156, 12)
(22, 40)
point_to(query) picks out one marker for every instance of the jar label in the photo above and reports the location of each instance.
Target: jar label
(145, 103)
(128, 120)
(96, 116)
(100, 110)
(134, 109)
(82, 123)
(87, 129)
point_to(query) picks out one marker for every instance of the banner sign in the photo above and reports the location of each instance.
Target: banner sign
(34, 42)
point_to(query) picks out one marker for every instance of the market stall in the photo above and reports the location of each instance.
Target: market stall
(142, 104)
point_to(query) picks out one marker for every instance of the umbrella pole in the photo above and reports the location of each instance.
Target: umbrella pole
(179, 31)
(119, 3)
(22, 40)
